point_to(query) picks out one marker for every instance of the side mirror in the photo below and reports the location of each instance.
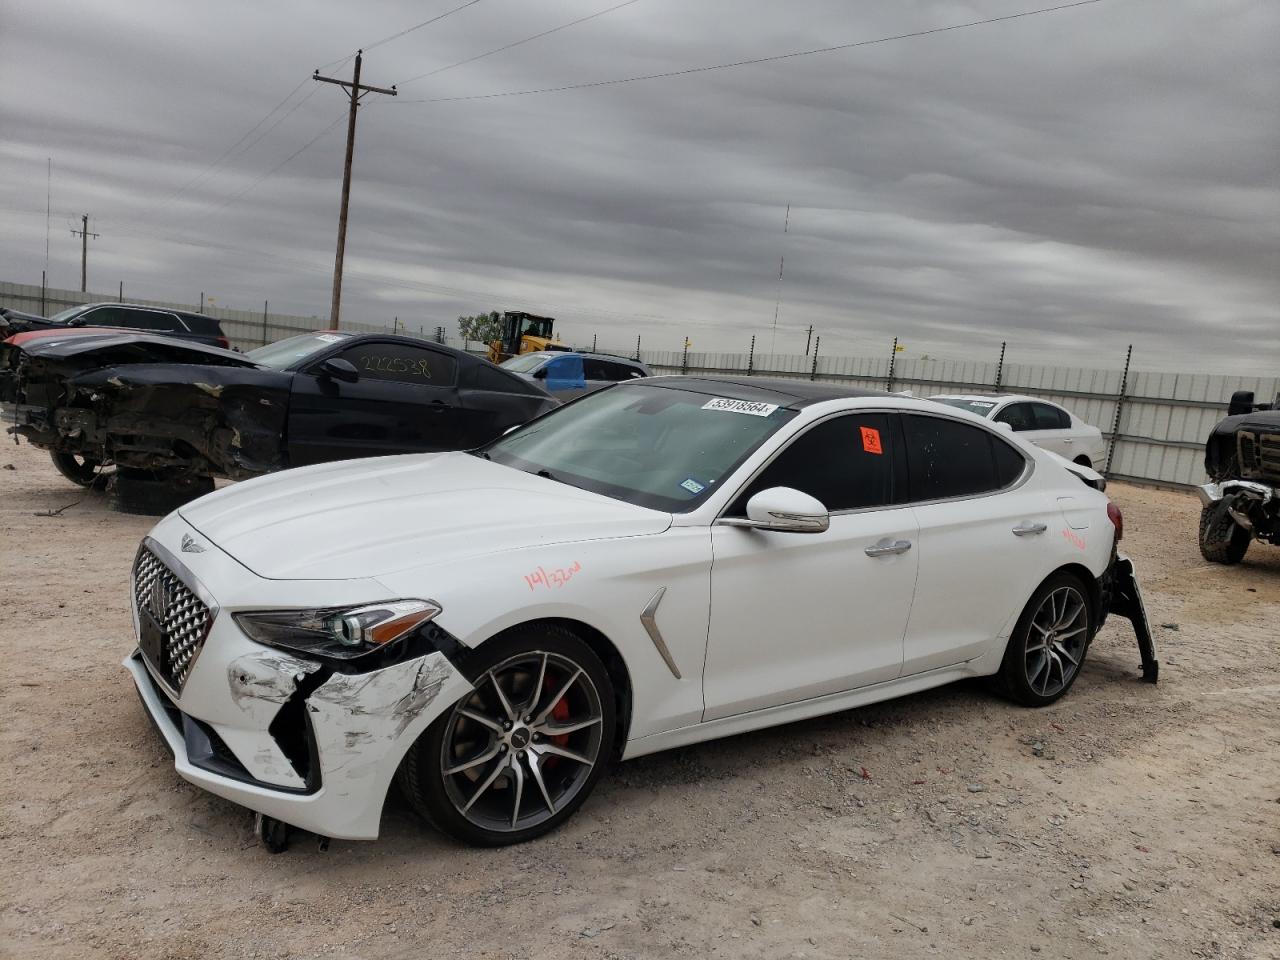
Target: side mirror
(784, 510)
(540, 373)
(340, 369)
(1004, 425)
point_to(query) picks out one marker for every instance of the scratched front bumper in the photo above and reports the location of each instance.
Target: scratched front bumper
(281, 734)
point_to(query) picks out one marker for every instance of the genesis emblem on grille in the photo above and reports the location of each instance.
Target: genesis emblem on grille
(190, 545)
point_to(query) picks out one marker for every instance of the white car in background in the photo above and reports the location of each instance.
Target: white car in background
(1043, 423)
(668, 561)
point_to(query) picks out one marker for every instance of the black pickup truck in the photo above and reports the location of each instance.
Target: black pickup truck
(1241, 503)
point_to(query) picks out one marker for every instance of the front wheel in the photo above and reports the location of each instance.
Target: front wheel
(516, 756)
(1049, 643)
(1222, 540)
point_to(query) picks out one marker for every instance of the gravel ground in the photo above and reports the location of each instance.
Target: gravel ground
(1127, 820)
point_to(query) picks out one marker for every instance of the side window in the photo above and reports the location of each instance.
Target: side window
(1019, 416)
(1050, 417)
(593, 369)
(845, 462)
(946, 458)
(402, 363)
(152, 320)
(564, 373)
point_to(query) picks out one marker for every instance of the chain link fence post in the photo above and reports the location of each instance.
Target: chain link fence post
(893, 359)
(751, 356)
(1000, 367)
(813, 371)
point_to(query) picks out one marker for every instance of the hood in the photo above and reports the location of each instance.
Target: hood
(103, 347)
(366, 518)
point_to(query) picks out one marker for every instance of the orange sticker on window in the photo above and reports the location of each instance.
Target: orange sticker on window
(871, 440)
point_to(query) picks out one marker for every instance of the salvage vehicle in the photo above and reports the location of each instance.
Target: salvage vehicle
(172, 416)
(570, 375)
(1038, 421)
(306, 638)
(1241, 502)
(180, 324)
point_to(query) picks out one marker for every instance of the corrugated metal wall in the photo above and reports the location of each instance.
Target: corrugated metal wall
(1164, 417)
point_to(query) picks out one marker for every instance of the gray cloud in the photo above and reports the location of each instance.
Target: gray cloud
(1070, 183)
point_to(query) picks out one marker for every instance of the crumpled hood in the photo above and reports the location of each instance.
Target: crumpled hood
(365, 518)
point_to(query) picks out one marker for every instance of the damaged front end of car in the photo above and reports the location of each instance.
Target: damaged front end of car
(1241, 503)
(281, 711)
(165, 408)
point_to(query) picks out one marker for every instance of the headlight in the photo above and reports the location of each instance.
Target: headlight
(342, 633)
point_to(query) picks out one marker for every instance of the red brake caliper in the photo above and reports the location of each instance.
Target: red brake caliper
(559, 712)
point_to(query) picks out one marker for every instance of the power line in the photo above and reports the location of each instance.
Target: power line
(756, 60)
(337, 120)
(517, 43)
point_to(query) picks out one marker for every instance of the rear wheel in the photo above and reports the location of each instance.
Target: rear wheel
(516, 756)
(1222, 540)
(154, 493)
(76, 468)
(1084, 461)
(1049, 643)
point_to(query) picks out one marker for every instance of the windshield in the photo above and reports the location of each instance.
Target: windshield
(525, 363)
(62, 316)
(284, 353)
(982, 408)
(660, 447)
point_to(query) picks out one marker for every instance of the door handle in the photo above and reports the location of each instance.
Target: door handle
(1029, 529)
(887, 547)
(1067, 440)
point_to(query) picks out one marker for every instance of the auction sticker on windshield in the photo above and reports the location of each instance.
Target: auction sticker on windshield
(751, 408)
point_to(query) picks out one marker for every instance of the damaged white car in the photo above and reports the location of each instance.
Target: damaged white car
(664, 562)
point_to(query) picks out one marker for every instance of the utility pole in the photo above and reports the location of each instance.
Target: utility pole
(355, 90)
(84, 235)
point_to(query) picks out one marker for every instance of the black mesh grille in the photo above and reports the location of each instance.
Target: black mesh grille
(182, 618)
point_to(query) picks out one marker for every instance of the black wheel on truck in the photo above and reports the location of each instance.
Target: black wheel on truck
(79, 470)
(151, 493)
(1222, 540)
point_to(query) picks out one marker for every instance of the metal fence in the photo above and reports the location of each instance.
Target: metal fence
(1156, 423)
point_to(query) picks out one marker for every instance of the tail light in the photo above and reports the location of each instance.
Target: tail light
(1117, 520)
(224, 343)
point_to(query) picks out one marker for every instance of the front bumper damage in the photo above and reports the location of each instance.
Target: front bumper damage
(290, 738)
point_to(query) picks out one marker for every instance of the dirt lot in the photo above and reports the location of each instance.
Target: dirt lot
(1127, 820)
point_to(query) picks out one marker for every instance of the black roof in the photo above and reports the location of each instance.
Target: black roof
(783, 391)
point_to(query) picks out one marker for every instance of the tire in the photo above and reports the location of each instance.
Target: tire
(152, 494)
(1060, 620)
(1222, 540)
(81, 471)
(492, 786)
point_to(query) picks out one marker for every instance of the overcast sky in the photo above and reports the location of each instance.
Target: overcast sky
(1070, 182)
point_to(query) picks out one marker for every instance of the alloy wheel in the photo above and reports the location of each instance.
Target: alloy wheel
(523, 743)
(1056, 641)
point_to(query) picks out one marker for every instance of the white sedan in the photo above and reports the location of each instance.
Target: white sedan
(1043, 423)
(660, 563)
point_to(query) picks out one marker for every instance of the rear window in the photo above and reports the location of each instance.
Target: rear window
(203, 325)
(946, 458)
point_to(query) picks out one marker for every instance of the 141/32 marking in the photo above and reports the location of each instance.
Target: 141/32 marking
(552, 578)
